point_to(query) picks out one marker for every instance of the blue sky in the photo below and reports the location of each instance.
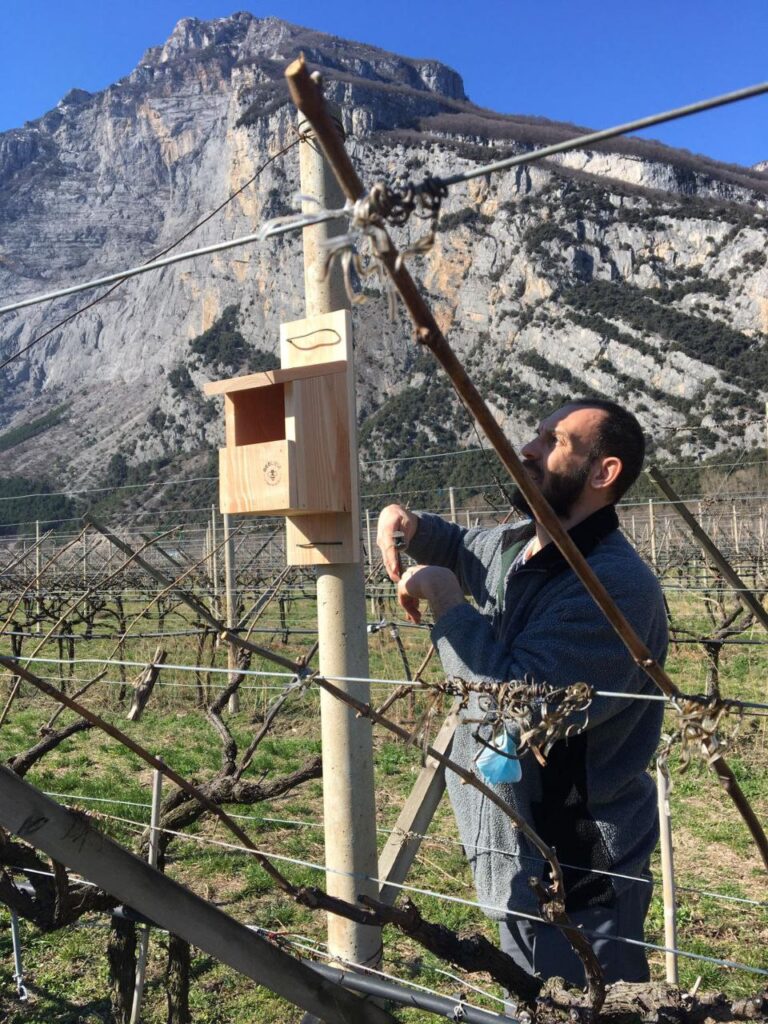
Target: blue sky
(592, 62)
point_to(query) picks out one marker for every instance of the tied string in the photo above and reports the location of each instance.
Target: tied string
(387, 204)
(360, 249)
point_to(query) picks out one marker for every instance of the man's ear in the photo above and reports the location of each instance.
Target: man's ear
(606, 472)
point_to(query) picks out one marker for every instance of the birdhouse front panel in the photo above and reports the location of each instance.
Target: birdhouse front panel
(258, 476)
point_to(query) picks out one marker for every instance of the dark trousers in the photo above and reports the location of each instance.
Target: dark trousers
(543, 949)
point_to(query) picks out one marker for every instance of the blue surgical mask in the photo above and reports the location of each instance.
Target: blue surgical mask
(493, 765)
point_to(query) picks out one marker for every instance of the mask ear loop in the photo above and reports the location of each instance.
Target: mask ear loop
(498, 729)
(490, 721)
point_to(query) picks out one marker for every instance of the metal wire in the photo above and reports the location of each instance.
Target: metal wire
(504, 911)
(195, 227)
(591, 138)
(736, 496)
(609, 694)
(308, 945)
(296, 223)
(433, 841)
(167, 261)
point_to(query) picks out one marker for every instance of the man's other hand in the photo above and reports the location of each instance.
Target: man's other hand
(430, 583)
(396, 529)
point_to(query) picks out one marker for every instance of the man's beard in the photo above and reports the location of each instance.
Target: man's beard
(562, 491)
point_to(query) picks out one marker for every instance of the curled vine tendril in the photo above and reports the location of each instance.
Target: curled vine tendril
(556, 707)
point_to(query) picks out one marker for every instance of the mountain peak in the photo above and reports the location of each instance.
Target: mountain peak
(193, 34)
(246, 39)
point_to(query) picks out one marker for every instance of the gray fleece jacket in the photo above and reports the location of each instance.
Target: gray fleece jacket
(594, 801)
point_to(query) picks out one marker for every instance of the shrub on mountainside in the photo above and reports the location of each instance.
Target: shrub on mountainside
(754, 259)
(223, 347)
(551, 371)
(412, 420)
(709, 341)
(222, 344)
(545, 233)
(10, 438)
(605, 329)
(180, 381)
(26, 499)
(678, 290)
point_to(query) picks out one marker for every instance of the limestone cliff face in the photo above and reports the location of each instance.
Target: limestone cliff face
(633, 269)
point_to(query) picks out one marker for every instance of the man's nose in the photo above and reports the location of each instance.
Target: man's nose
(528, 451)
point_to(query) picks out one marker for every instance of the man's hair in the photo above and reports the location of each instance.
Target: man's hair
(619, 434)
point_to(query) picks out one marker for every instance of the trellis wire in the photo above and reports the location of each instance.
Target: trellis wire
(190, 231)
(609, 694)
(264, 688)
(167, 261)
(485, 907)
(307, 944)
(660, 502)
(595, 137)
(433, 840)
(609, 133)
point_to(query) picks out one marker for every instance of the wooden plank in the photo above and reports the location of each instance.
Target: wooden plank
(245, 383)
(743, 593)
(230, 427)
(71, 839)
(279, 375)
(322, 539)
(316, 340)
(257, 476)
(663, 788)
(307, 472)
(317, 417)
(333, 538)
(416, 816)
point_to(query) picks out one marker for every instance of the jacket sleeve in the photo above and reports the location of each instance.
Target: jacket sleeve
(471, 554)
(570, 641)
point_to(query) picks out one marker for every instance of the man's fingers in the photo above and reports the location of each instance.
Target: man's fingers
(408, 601)
(390, 545)
(390, 557)
(410, 605)
(395, 528)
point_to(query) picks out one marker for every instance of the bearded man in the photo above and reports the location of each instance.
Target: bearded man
(532, 620)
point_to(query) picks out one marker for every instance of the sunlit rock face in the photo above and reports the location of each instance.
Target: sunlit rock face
(632, 270)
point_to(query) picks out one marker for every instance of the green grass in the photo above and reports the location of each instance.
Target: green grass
(67, 970)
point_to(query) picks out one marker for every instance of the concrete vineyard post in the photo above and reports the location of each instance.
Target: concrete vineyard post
(348, 794)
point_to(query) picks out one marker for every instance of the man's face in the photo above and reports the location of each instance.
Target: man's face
(559, 458)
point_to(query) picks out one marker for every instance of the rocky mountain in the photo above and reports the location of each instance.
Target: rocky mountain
(631, 269)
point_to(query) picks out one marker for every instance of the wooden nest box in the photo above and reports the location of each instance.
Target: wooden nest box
(291, 441)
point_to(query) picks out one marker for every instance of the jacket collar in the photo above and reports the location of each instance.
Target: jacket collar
(586, 535)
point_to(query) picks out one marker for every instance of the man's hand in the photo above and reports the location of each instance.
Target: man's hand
(396, 529)
(430, 583)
